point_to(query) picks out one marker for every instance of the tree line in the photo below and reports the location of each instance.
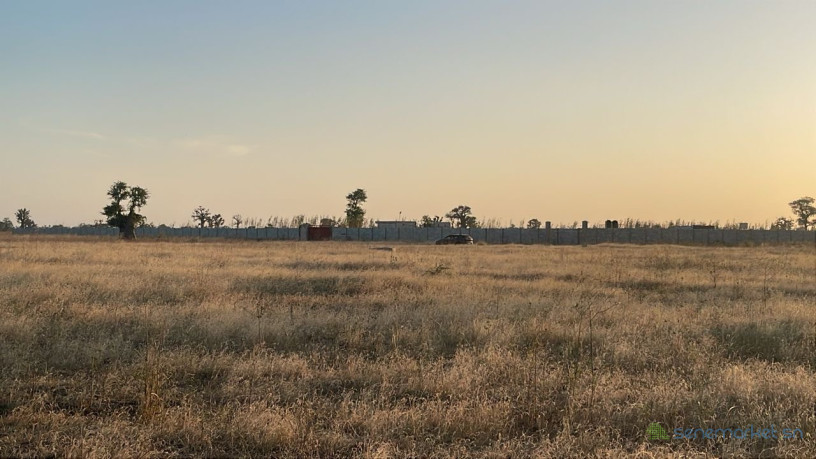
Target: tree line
(126, 202)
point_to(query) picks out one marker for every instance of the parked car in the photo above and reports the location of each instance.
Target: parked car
(455, 239)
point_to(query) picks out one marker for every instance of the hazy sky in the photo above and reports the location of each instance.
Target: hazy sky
(559, 110)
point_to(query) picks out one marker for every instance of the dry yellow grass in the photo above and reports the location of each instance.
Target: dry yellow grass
(332, 349)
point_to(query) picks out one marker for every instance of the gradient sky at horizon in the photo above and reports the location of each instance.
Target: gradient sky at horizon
(560, 111)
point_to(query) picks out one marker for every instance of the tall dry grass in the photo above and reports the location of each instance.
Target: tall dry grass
(333, 349)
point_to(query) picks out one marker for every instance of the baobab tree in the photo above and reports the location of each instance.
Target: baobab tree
(123, 211)
(462, 217)
(201, 215)
(24, 218)
(804, 209)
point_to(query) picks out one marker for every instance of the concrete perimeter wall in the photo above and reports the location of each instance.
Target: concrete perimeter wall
(554, 236)
(283, 234)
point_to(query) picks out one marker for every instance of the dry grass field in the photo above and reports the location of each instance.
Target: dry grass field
(187, 348)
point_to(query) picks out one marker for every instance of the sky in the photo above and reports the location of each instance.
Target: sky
(557, 110)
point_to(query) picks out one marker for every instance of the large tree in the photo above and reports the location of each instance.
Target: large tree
(804, 210)
(534, 224)
(202, 215)
(123, 211)
(24, 218)
(355, 214)
(462, 217)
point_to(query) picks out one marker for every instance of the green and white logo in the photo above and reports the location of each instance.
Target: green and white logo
(656, 432)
